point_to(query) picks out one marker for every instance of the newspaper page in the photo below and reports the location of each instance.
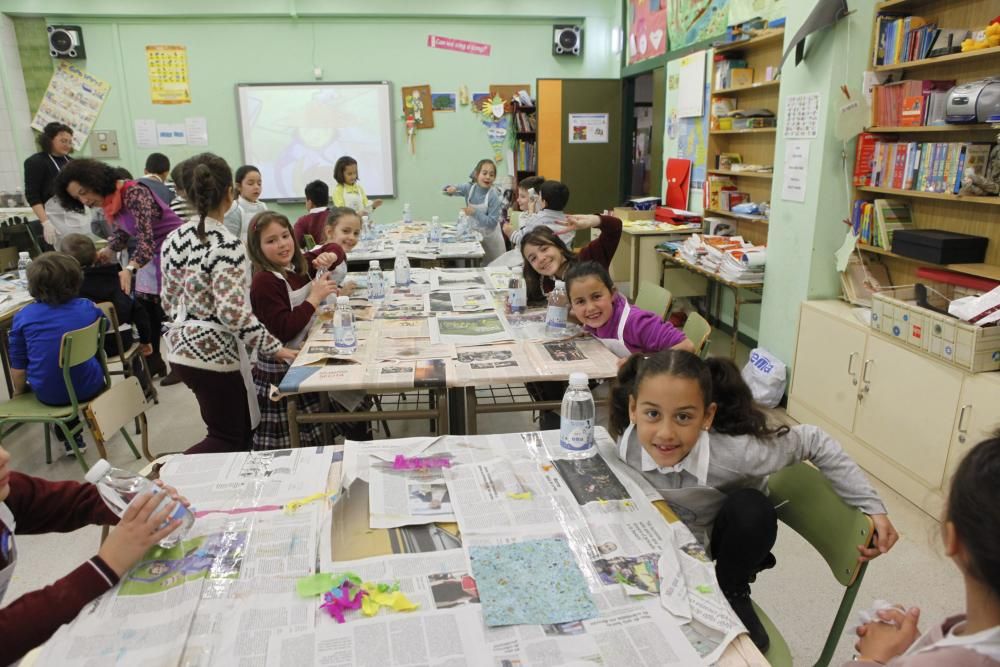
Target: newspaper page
(321, 350)
(402, 349)
(469, 329)
(458, 301)
(586, 355)
(454, 279)
(402, 328)
(492, 364)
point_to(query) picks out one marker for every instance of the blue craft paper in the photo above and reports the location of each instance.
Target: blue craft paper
(532, 582)
(295, 376)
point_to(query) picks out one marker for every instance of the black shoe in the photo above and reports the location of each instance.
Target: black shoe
(171, 378)
(743, 607)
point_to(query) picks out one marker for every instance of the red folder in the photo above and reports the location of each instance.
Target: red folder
(678, 182)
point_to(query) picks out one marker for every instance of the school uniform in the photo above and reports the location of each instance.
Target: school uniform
(37, 506)
(630, 330)
(600, 250)
(718, 490)
(239, 215)
(941, 646)
(487, 208)
(279, 302)
(213, 331)
(312, 223)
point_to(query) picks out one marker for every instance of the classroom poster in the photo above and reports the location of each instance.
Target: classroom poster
(744, 10)
(692, 144)
(692, 21)
(588, 128)
(167, 67)
(647, 29)
(691, 83)
(74, 97)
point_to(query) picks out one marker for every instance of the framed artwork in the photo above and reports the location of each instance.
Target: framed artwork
(417, 103)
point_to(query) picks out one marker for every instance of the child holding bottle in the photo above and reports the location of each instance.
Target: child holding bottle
(343, 228)
(484, 205)
(348, 191)
(247, 203)
(692, 430)
(607, 315)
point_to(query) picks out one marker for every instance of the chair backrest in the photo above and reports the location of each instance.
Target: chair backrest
(808, 505)
(111, 313)
(697, 329)
(81, 345)
(116, 407)
(654, 298)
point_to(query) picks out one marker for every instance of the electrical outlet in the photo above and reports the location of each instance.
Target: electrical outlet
(104, 143)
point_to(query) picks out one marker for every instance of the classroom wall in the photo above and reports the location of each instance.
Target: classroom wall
(352, 41)
(802, 237)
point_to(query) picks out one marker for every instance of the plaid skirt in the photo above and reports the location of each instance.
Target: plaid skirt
(273, 431)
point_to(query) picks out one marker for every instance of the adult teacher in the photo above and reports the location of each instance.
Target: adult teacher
(41, 170)
(134, 210)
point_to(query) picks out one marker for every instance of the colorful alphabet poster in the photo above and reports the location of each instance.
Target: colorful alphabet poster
(647, 29)
(168, 74)
(74, 97)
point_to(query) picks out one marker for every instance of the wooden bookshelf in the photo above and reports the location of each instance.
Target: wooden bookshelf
(524, 137)
(754, 145)
(959, 199)
(979, 216)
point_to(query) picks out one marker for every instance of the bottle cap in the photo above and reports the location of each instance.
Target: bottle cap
(578, 379)
(98, 471)
(560, 284)
(406, 206)
(24, 254)
(343, 301)
(373, 264)
(434, 219)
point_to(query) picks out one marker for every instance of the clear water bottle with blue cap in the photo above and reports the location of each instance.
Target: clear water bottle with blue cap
(434, 233)
(557, 311)
(376, 284)
(407, 215)
(401, 269)
(345, 338)
(576, 427)
(118, 488)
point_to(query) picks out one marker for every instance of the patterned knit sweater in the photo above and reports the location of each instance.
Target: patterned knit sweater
(209, 280)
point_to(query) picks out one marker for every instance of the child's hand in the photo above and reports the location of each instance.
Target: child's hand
(286, 354)
(325, 260)
(468, 210)
(173, 493)
(125, 280)
(450, 189)
(885, 536)
(146, 349)
(376, 203)
(577, 222)
(138, 530)
(347, 289)
(321, 287)
(881, 642)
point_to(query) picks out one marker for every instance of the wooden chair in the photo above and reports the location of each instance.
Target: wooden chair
(698, 331)
(654, 298)
(127, 356)
(111, 411)
(76, 347)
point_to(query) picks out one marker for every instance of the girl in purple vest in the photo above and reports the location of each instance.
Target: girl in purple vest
(134, 211)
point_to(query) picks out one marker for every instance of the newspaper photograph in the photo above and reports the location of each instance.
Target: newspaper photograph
(586, 355)
(458, 301)
(401, 349)
(469, 329)
(452, 279)
(403, 328)
(492, 364)
(322, 351)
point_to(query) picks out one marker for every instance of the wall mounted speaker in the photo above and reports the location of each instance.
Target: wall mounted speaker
(66, 41)
(567, 40)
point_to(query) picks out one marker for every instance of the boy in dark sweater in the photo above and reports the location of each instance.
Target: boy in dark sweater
(101, 283)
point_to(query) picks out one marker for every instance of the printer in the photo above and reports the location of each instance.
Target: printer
(974, 102)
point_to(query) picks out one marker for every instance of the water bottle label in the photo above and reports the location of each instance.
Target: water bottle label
(555, 316)
(576, 435)
(344, 337)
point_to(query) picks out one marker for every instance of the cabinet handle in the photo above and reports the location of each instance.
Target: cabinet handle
(864, 374)
(962, 426)
(850, 367)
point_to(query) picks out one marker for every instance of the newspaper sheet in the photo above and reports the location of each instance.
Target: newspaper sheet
(322, 349)
(469, 329)
(586, 355)
(452, 279)
(491, 364)
(402, 349)
(458, 301)
(402, 328)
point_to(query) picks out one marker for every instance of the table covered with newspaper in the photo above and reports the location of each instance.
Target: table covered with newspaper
(553, 561)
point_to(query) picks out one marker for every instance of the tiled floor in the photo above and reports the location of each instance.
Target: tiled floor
(799, 594)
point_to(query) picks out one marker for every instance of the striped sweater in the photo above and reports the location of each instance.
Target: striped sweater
(208, 279)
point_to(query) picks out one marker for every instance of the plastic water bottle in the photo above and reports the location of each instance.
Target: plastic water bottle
(407, 215)
(401, 269)
(366, 229)
(119, 487)
(462, 226)
(517, 295)
(344, 336)
(558, 310)
(23, 262)
(376, 285)
(576, 428)
(533, 199)
(434, 233)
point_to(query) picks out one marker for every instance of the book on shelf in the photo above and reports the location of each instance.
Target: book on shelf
(902, 38)
(740, 77)
(525, 122)
(723, 71)
(725, 161)
(891, 215)
(715, 185)
(920, 166)
(906, 102)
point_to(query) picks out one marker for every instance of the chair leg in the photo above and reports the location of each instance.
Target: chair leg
(145, 438)
(71, 439)
(48, 443)
(131, 445)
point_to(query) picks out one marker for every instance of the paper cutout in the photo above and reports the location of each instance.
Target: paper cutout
(843, 253)
(345, 592)
(321, 582)
(497, 125)
(536, 581)
(342, 599)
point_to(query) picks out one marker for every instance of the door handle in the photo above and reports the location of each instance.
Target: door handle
(864, 375)
(850, 368)
(963, 428)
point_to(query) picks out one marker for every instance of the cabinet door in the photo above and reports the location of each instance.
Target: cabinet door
(907, 408)
(976, 420)
(828, 366)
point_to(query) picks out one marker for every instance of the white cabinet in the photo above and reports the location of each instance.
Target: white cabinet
(903, 416)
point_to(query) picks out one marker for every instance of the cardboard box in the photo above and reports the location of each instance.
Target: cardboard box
(625, 213)
(741, 77)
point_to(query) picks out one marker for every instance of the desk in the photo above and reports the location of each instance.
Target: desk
(399, 350)
(715, 298)
(13, 297)
(635, 261)
(225, 596)
(412, 238)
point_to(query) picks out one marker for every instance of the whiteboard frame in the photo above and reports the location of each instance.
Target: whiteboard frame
(392, 129)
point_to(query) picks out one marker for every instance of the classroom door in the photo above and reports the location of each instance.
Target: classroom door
(579, 139)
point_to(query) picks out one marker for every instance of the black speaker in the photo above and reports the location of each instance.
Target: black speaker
(66, 41)
(567, 40)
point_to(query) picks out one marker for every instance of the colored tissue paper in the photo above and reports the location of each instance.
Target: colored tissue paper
(420, 462)
(321, 582)
(536, 581)
(346, 597)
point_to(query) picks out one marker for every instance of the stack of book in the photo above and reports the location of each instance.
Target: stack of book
(526, 156)
(724, 72)
(744, 265)
(910, 102)
(874, 222)
(525, 122)
(907, 38)
(923, 167)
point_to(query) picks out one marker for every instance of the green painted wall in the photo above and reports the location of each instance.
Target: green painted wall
(378, 40)
(803, 236)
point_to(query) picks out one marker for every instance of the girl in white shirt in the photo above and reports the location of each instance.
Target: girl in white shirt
(247, 204)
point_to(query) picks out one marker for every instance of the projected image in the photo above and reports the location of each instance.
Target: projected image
(295, 133)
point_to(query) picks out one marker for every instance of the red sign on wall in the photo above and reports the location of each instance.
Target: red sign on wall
(449, 44)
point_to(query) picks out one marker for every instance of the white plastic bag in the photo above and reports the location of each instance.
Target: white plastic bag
(766, 375)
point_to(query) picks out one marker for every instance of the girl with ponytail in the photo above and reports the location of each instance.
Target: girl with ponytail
(690, 427)
(213, 329)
